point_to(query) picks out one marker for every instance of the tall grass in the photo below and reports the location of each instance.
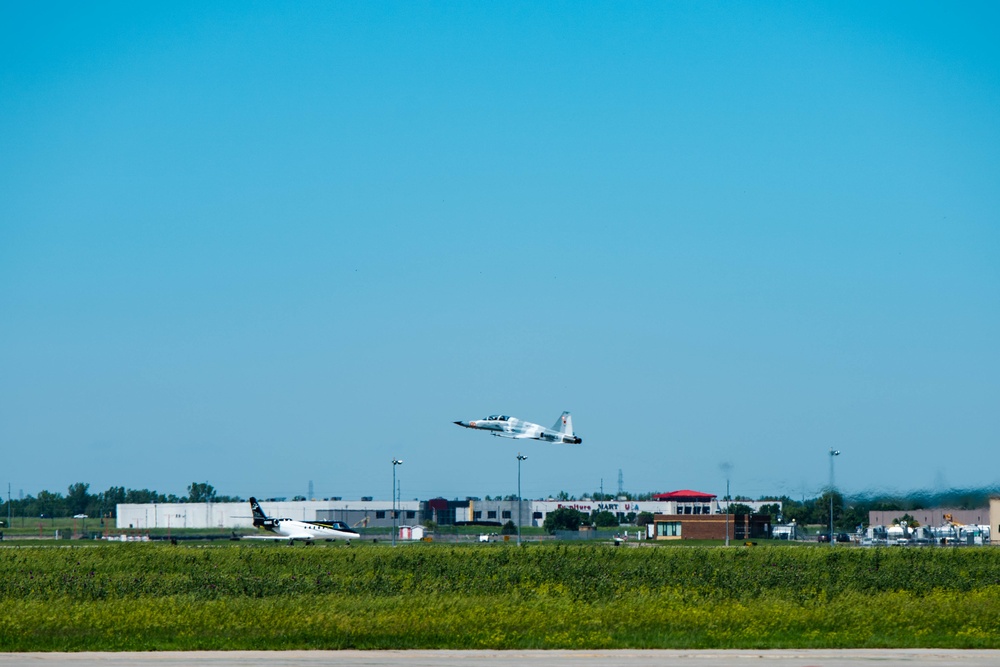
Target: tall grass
(142, 597)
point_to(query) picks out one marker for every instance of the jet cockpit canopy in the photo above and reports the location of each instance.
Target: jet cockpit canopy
(497, 418)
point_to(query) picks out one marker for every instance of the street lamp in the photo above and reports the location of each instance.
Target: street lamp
(520, 457)
(833, 453)
(726, 468)
(727, 511)
(395, 462)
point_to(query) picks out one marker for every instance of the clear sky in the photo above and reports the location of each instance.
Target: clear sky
(258, 244)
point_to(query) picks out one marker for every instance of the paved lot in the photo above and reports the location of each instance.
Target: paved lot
(784, 658)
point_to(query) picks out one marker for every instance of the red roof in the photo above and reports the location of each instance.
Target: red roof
(684, 494)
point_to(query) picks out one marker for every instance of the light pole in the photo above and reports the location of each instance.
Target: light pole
(727, 512)
(395, 462)
(833, 453)
(520, 457)
(726, 468)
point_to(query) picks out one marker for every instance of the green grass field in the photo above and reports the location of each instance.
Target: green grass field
(93, 596)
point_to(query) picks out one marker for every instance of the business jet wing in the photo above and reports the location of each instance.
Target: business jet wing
(281, 538)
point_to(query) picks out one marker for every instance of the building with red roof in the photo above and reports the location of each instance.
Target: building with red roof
(688, 501)
(686, 495)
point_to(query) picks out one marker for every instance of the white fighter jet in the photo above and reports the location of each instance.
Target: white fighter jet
(304, 531)
(518, 429)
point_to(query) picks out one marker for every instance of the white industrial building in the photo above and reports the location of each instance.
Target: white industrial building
(370, 513)
(620, 508)
(378, 513)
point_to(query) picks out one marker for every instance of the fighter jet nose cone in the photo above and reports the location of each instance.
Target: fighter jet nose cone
(459, 423)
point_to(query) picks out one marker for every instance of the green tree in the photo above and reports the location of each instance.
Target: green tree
(644, 519)
(110, 500)
(77, 499)
(49, 504)
(201, 492)
(821, 509)
(854, 516)
(771, 509)
(793, 510)
(141, 496)
(739, 509)
(509, 528)
(564, 518)
(604, 519)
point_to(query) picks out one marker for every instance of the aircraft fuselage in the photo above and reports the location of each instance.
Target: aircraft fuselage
(512, 427)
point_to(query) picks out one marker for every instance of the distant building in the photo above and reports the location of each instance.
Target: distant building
(941, 525)
(995, 520)
(711, 526)
(688, 501)
(411, 532)
(378, 513)
(355, 513)
(622, 509)
(938, 516)
(786, 531)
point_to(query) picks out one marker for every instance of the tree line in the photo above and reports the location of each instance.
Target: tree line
(78, 500)
(848, 512)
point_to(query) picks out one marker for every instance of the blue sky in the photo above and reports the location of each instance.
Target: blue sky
(259, 244)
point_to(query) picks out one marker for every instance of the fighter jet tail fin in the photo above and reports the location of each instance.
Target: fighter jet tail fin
(564, 424)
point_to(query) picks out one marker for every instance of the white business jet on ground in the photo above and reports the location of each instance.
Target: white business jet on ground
(304, 531)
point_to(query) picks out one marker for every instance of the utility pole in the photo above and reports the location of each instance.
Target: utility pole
(395, 462)
(727, 511)
(833, 453)
(726, 467)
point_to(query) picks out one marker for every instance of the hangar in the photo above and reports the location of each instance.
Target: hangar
(355, 513)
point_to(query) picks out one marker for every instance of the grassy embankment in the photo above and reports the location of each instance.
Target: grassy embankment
(146, 597)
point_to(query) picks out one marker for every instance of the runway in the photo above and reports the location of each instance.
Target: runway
(616, 658)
